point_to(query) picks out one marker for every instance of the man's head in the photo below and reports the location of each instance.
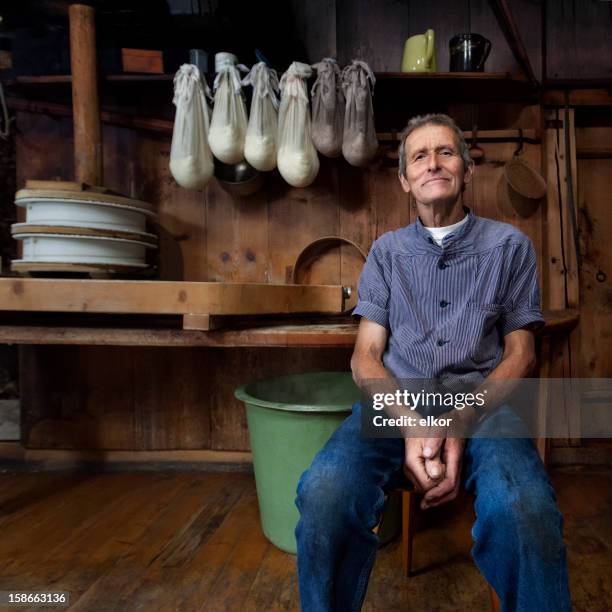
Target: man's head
(435, 164)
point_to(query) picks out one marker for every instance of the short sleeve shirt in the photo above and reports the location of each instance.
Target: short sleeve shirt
(447, 308)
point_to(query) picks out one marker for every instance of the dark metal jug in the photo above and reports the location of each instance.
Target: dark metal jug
(468, 52)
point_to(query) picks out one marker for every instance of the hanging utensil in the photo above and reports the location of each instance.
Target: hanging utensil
(522, 177)
(476, 153)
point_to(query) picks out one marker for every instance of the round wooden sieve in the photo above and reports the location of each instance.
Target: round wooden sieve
(524, 179)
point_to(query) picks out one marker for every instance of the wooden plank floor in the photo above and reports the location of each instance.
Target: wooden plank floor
(192, 541)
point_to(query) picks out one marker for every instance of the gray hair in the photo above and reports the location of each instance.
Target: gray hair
(433, 119)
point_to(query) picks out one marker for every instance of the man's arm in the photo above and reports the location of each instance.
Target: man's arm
(371, 376)
(517, 362)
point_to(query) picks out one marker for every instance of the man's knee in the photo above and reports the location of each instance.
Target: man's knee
(519, 518)
(322, 490)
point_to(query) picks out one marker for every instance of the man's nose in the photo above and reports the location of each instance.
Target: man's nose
(432, 161)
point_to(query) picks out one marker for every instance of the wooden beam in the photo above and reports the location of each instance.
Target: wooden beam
(330, 336)
(162, 126)
(87, 130)
(165, 297)
(597, 96)
(148, 460)
(513, 37)
(562, 286)
(318, 334)
(594, 153)
(531, 135)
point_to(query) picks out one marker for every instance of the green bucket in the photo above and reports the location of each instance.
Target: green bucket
(290, 419)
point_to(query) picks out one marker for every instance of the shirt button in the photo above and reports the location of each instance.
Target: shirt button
(444, 303)
(441, 342)
(441, 264)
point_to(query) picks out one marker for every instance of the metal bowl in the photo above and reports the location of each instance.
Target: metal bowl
(239, 179)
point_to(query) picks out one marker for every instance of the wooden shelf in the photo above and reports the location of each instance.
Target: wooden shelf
(445, 87)
(67, 78)
(317, 335)
(478, 76)
(165, 297)
(318, 332)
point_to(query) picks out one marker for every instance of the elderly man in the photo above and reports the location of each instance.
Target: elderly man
(451, 295)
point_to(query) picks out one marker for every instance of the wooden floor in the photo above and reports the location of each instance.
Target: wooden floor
(192, 541)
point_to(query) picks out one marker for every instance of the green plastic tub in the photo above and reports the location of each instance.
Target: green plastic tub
(290, 419)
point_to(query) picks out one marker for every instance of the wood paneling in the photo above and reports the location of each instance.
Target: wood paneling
(316, 22)
(373, 31)
(164, 398)
(578, 39)
(122, 398)
(594, 205)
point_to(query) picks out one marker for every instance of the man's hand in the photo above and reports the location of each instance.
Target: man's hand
(446, 489)
(426, 451)
(423, 467)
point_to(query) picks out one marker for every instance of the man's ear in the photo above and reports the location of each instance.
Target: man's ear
(404, 183)
(469, 173)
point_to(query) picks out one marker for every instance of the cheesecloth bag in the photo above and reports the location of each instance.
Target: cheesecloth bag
(297, 159)
(261, 134)
(191, 161)
(359, 144)
(229, 118)
(327, 108)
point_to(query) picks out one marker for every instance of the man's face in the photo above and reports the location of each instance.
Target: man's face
(434, 167)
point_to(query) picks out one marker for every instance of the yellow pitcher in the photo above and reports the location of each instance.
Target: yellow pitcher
(420, 53)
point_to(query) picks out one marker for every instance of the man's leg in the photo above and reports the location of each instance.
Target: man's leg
(340, 499)
(518, 530)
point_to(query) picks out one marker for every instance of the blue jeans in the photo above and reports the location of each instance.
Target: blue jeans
(518, 530)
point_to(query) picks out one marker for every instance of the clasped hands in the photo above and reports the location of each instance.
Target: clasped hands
(432, 460)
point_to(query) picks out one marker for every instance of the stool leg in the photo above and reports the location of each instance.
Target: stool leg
(408, 519)
(495, 603)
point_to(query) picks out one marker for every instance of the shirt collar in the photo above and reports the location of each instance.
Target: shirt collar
(458, 236)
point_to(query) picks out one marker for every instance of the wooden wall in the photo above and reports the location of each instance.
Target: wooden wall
(145, 398)
(594, 205)
(137, 398)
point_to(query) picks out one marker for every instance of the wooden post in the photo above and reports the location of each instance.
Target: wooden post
(85, 103)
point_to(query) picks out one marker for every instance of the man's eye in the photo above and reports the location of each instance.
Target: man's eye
(447, 152)
(419, 156)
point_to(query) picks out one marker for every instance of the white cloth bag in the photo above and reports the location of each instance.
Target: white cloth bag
(191, 160)
(260, 144)
(297, 160)
(359, 144)
(327, 108)
(229, 117)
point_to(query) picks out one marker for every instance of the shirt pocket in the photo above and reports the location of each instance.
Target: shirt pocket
(483, 320)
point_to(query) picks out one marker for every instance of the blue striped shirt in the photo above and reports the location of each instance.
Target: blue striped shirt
(447, 308)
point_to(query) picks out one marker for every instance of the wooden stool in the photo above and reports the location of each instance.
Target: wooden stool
(409, 507)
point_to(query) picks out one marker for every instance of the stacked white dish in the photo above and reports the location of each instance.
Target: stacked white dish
(73, 228)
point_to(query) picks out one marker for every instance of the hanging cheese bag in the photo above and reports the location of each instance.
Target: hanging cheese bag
(260, 144)
(327, 108)
(229, 118)
(191, 161)
(359, 144)
(297, 159)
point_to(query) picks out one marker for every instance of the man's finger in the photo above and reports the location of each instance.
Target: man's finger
(415, 470)
(440, 490)
(432, 447)
(435, 468)
(452, 494)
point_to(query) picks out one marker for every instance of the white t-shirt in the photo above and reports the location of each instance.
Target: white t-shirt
(438, 233)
